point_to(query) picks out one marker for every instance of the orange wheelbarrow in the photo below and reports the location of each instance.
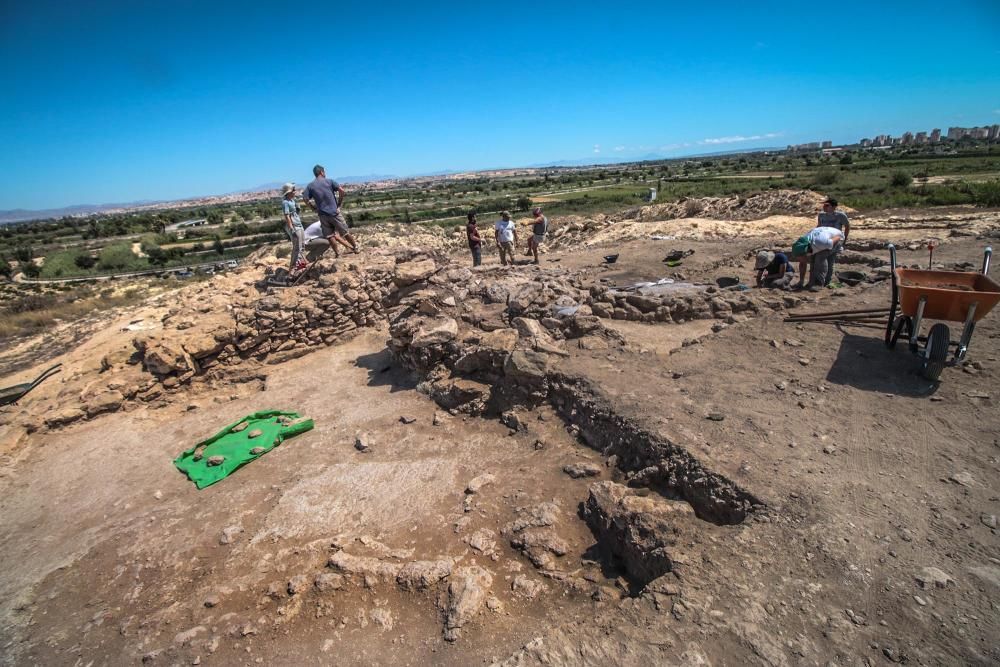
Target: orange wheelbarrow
(951, 296)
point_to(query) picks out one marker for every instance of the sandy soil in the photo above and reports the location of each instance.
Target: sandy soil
(867, 474)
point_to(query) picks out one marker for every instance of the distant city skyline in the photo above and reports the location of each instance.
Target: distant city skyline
(116, 101)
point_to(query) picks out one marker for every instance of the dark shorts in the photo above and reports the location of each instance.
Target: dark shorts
(333, 223)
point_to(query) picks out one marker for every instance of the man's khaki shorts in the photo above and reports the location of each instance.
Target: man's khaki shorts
(333, 223)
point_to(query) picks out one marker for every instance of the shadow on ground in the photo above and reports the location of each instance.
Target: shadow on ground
(864, 362)
(382, 371)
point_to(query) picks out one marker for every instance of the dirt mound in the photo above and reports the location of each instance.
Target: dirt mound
(735, 207)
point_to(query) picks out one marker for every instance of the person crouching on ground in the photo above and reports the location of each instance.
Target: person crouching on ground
(505, 232)
(475, 241)
(321, 195)
(293, 227)
(773, 270)
(538, 230)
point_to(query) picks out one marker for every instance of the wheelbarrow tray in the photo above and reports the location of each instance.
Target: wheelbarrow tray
(949, 293)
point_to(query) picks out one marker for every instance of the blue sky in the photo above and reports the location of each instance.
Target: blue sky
(111, 102)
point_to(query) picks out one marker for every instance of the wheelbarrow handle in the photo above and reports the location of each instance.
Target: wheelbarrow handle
(986, 260)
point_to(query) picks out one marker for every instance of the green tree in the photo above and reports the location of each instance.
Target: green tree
(900, 179)
(217, 245)
(523, 203)
(30, 269)
(85, 261)
(825, 176)
(23, 253)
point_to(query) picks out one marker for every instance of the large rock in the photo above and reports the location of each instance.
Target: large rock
(408, 273)
(467, 592)
(527, 364)
(162, 357)
(422, 574)
(639, 530)
(365, 566)
(435, 332)
(107, 401)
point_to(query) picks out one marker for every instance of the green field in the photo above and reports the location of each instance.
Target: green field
(946, 174)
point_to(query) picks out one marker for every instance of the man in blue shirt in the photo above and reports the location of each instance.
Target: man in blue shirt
(321, 195)
(773, 270)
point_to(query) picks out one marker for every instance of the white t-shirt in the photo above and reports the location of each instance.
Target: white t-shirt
(313, 231)
(824, 238)
(505, 228)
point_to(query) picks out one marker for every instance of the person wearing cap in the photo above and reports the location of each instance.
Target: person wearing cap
(773, 270)
(321, 195)
(831, 217)
(505, 233)
(538, 230)
(293, 227)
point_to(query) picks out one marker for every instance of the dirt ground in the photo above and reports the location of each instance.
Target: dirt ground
(873, 541)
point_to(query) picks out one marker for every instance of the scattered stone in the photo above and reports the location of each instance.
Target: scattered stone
(525, 587)
(480, 481)
(326, 582)
(932, 577)
(780, 386)
(988, 520)
(216, 460)
(407, 419)
(920, 601)
(483, 541)
(362, 443)
(240, 427)
(229, 534)
(382, 618)
(977, 394)
(158, 494)
(512, 421)
(467, 592)
(775, 344)
(829, 449)
(804, 361)
(962, 478)
(494, 604)
(199, 454)
(212, 601)
(257, 451)
(791, 342)
(715, 416)
(297, 584)
(256, 433)
(583, 469)
(439, 418)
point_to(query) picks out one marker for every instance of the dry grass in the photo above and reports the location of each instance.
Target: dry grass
(32, 313)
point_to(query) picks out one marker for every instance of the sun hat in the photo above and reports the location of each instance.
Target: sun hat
(764, 257)
(287, 187)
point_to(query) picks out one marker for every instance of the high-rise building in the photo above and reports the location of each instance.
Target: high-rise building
(956, 133)
(921, 138)
(935, 135)
(865, 143)
(827, 144)
(907, 138)
(994, 132)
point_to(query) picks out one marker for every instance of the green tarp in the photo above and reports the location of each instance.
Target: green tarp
(235, 445)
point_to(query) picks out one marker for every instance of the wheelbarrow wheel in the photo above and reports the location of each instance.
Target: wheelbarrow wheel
(936, 353)
(901, 327)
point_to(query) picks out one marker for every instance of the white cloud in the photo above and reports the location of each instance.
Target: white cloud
(619, 149)
(996, 111)
(739, 138)
(597, 148)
